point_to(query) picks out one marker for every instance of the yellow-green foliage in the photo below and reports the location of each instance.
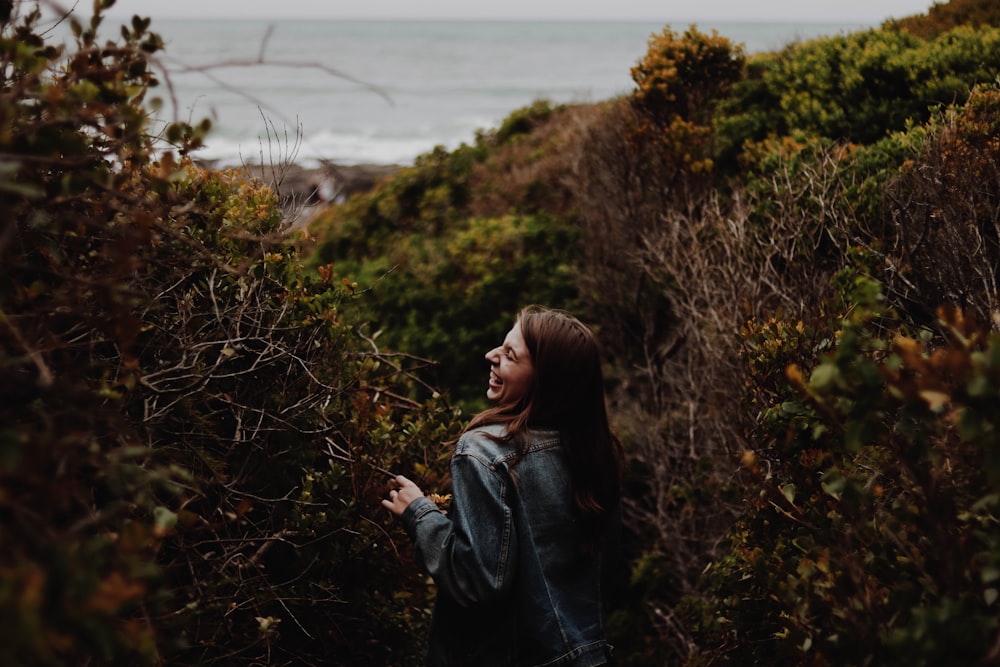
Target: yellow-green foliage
(449, 298)
(683, 75)
(855, 87)
(679, 81)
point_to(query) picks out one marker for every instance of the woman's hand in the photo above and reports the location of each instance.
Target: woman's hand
(400, 497)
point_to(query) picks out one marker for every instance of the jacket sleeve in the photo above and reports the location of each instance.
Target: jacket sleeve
(470, 552)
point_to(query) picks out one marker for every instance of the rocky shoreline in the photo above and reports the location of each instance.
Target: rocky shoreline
(326, 184)
(310, 189)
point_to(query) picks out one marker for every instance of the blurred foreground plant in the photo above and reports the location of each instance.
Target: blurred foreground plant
(193, 438)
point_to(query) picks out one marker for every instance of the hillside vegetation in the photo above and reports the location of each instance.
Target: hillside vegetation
(779, 252)
(790, 260)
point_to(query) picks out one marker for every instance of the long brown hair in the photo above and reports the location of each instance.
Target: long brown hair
(566, 394)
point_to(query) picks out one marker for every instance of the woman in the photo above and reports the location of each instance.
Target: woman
(518, 558)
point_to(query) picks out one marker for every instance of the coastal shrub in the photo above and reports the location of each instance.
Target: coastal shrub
(810, 201)
(684, 74)
(451, 298)
(853, 87)
(446, 252)
(79, 491)
(621, 191)
(536, 173)
(943, 16)
(422, 199)
(671, 279)
(648, 156)
(868, 170)
(678, 84)
(674, 267)
(258, 387)
(194, 436)
(943, 211)
(832, 192)
(869, 532)
(439, 189)
(519, 123)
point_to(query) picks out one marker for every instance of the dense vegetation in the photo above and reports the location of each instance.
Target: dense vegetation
(790, 259)
(192, 437)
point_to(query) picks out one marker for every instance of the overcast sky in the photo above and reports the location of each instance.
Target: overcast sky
(668, 11)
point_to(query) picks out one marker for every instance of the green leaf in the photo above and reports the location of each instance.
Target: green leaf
(824, 376)
(164, 519)
(978, 387)
(834, 483)
(788, 490)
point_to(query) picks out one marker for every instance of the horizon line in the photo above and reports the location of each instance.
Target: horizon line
(467, 19)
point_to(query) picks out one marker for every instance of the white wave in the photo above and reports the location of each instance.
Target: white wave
(371, 145)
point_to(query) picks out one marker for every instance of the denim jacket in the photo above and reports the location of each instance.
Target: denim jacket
(514, 587)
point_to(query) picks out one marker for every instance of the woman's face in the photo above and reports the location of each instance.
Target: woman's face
(511, 369)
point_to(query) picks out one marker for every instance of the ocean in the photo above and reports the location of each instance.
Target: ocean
(384, 92)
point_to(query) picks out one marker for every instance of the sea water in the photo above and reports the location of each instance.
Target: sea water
(384, 92)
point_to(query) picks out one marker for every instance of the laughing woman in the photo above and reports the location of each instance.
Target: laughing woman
(535, 506)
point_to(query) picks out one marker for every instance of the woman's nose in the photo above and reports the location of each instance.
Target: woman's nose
(493, 356)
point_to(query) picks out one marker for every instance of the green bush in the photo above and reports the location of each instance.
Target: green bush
(440, 280)
(683, 75)
(855, 87)
(679, 82)
(870, 531)
(451, 298)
